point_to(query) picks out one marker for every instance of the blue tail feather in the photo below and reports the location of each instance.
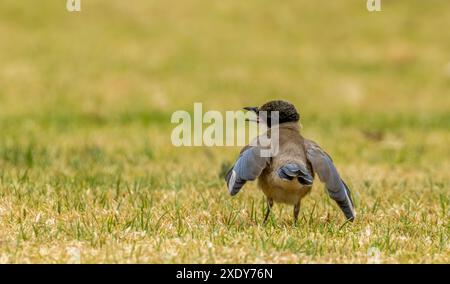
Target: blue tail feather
(291, 171)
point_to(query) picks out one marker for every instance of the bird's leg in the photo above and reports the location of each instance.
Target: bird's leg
(296, 211)
(269, 206)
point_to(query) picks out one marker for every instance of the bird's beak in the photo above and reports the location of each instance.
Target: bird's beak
(253, 109)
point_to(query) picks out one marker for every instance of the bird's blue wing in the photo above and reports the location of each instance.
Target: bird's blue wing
(323, 165)
(248, 167)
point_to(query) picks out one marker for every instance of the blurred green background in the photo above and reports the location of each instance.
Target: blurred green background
(117, 64)
(328, 57)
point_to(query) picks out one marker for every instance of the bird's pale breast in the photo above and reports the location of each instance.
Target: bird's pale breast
(283, 191)
(291, 151)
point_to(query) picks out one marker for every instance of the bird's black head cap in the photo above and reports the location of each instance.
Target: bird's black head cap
(286, 111)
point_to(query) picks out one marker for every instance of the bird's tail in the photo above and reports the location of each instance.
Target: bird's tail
(291, 171)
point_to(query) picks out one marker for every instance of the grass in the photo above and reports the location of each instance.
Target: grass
(88, 173)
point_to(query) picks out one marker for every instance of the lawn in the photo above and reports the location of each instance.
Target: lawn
(88, 172)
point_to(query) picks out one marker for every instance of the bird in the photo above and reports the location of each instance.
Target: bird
(287, 176)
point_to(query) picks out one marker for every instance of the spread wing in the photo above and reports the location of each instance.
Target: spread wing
(248, 167)
(337, 189)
